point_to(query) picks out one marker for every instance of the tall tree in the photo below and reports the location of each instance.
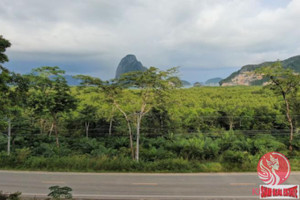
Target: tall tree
(5, 74)
(4, 44)
(50, 94)
(152, 85)
(114, 94)
(12, 89)
(88, 114)
(284, 82)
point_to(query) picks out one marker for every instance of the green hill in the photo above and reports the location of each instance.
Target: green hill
(213, 81)
(244, 76)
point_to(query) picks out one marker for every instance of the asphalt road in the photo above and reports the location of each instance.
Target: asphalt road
(137, 186)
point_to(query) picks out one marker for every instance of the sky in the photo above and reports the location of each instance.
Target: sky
(205, 38)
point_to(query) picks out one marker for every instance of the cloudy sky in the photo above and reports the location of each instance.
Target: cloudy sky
(206, 38)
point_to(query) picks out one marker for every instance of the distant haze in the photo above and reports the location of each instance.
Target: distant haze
(206, 38)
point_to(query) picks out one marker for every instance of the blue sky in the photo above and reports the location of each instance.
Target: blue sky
(206, 38)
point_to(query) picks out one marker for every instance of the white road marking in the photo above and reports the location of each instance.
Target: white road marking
(54, 182)
(152, 184)
(242, 184)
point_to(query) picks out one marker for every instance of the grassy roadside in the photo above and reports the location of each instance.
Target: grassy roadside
(103, 164)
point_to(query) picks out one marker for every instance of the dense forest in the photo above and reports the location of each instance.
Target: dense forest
(144, 121)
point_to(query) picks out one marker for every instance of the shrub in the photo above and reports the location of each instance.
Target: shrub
(12, 196)
(236, 157)
(22, 155)
(193, 148)
(211, 149)
(170, 165)
(57, 192)
(265, 143)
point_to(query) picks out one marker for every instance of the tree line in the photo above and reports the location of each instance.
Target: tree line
(141, 103)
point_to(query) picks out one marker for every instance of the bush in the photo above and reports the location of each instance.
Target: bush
(21, 155)
(170, 165)
(211, 149)
(153, 154)
(44, 149)
(264, 143)
(3, 142)
(57, 192)
(224, 151)
(209, 167)
(192, 148)
(12, 196)
(236, 157)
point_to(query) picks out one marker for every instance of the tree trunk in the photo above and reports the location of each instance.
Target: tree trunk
(87, 125)
(8, 137)
(138, 125)
(290, 123)
(51, 129)
(231, 124)
(129, 129)
(55, 129)
(161, 123)
(111, 121)
(110, 126)
(41, 126)
(130, 138)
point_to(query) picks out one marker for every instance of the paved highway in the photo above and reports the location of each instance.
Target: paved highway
(137, 185)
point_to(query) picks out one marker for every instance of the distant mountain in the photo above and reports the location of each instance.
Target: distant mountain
(246, 75)
(185, 83)
(129, 64)
(213, 81)
(72, 81)
(197, 84)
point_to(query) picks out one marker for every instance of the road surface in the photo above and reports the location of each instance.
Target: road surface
(137, 185)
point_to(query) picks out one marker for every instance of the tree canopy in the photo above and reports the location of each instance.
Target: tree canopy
(4, 44)
(284, 82)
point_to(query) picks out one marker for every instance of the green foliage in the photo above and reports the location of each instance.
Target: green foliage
(22, 154)
(12, 196)
(195, 129)
(265, 143)
(51, 93)
(12, 85)
(236, 157)
(4, 44)
(189, 128)
(175, 164)
(57, 192)
(284, 83)
(225, 151)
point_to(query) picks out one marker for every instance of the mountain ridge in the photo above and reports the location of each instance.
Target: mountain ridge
(246, 75)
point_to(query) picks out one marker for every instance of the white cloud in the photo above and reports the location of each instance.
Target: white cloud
(192, 33)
